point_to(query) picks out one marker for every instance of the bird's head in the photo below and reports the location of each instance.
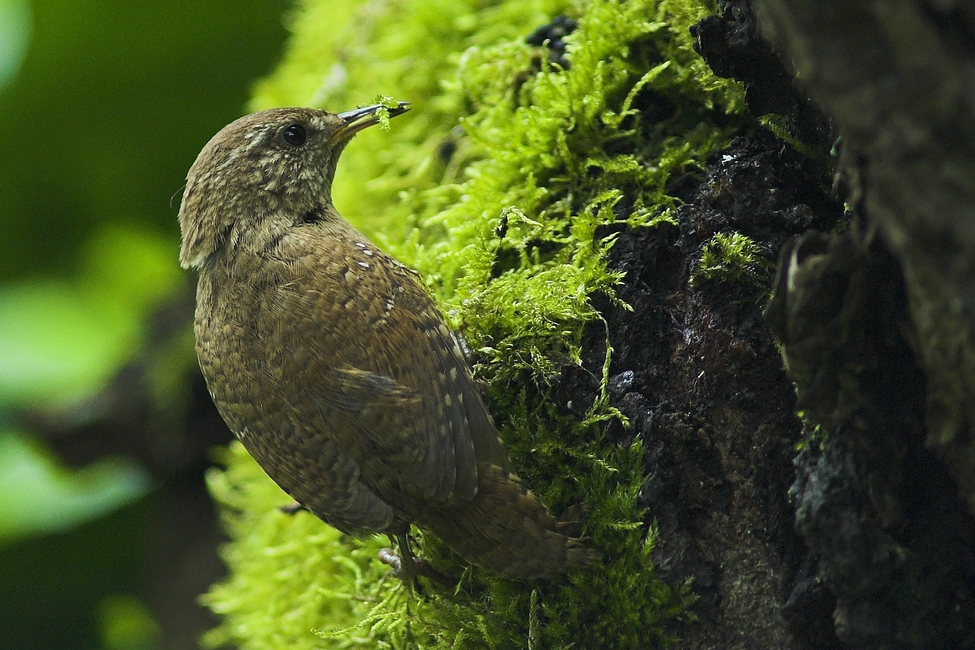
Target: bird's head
(275, 164)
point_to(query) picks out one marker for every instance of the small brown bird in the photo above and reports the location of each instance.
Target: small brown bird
(332, 365)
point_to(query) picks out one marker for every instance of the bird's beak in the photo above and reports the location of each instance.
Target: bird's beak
(355, 120)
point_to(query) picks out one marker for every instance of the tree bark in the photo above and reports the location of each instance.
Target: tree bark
(897, 77)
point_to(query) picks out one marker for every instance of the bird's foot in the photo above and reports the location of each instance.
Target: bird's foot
(408, 567)
(388, 557)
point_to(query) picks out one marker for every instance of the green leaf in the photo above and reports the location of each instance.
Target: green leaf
(61, 341)
(55, 343)
(15, 30)
(38, 495)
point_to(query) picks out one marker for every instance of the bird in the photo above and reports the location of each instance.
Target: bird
(332, 365)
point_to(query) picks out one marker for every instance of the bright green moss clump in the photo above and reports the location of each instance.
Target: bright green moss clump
(734, 258)
(493, 187)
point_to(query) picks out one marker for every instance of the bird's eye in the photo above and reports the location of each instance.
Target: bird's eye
(294, 134)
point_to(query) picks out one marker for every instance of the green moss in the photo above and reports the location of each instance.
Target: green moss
(505, 232)
(734, 258)
(784, 129)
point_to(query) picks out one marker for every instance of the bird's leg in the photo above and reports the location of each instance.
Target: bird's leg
(408, 567)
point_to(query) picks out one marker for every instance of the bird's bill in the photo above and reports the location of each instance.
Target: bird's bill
(361, 118)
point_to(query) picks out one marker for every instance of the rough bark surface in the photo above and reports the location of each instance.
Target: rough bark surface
(897, 78)
(876, 330)
(876, 324)
(698, 375)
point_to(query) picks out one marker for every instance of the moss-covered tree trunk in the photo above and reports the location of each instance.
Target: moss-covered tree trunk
(599, 209)
(608, 154)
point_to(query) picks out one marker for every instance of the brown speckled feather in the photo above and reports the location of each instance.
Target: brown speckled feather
(331, 363)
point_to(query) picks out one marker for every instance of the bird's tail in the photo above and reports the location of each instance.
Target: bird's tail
(506, 529)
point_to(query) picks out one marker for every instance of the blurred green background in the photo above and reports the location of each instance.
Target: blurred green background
(106, 534)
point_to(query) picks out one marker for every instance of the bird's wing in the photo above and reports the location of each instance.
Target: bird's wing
(243, 347)
(386, 377)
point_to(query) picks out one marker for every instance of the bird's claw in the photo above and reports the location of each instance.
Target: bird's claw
(388, 557)
(407, 567)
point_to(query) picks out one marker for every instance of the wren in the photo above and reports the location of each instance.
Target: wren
(331, 364)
